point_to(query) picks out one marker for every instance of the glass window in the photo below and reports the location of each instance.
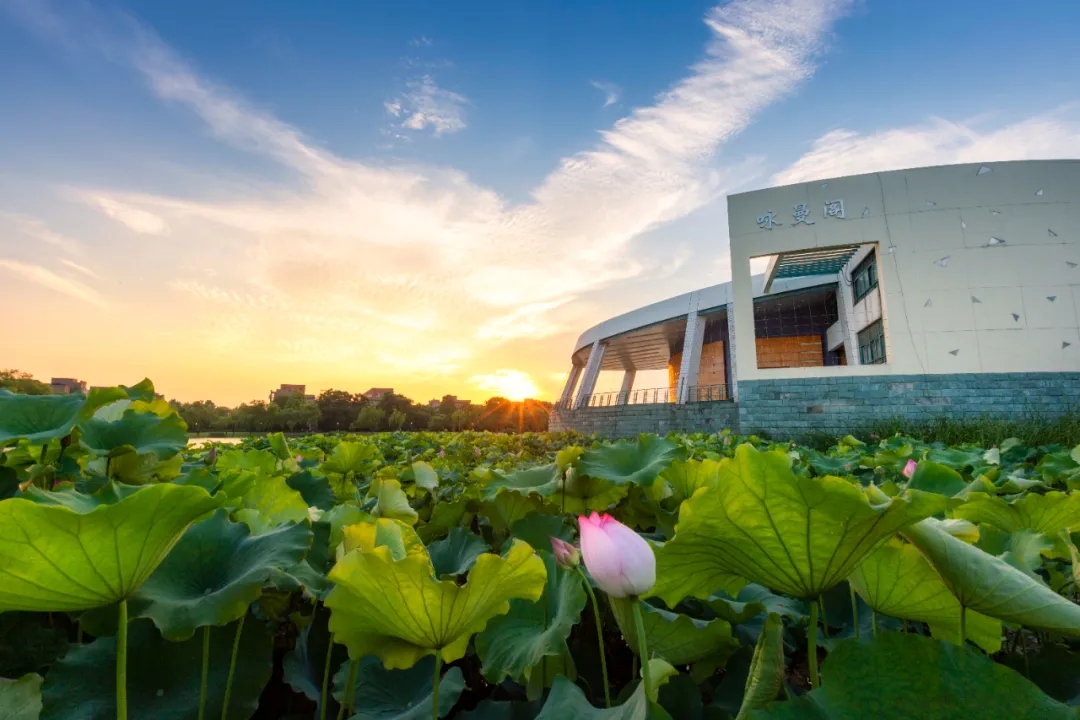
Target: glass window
(872, 344)
(864, 279)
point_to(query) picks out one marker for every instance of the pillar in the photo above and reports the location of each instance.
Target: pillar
(846, 306)
(592, 370)
(568, 389)
(729, 348)
(691, 356)
(627, 386)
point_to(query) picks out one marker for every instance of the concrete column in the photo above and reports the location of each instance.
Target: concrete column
(592, 370)
(627, 386)
(730, 361)
(691, 356)
(568, 389)
(846, 305)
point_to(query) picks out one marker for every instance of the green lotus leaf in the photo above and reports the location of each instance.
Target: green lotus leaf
(766, 668)
(1022, 549)
(342, 516)
(584, 493)
(275, 501)
(9, 482)
(279, 445)
(55, 559)
(752, 601)
(509, 508)
(135, 432)
(503, 710)
(1054, 668)
(397, 537)
(935, 478)
(795, 535)
(957, 458)
(256, 461)
(425, 476)
(393, 503)
(109, 494)
(303, 666)
(386, 608)
(828, 465)
(516, 643)
(568, 701)
(135, 469)
(381, 694)
(37, 419)
(896, 580)
(638, 462)
(989, 585)
(163, 678)
(1050, 513)
(99, 397)
(20, 699)
(678, 639)
(351, 457)
(542, 480)
(315, 490)
(214, 573)
(899, 676)
(686, 476)
(537, 529)
(457, 552)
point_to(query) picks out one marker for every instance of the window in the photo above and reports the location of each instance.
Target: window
(864, 279)
(872, 344)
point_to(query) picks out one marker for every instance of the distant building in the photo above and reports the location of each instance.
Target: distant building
(377, 394)
(66, 386)
(458, 404)
(287, 391)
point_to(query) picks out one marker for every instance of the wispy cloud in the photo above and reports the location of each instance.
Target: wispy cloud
(48, 279)
(422, 41)
(78, 268)
(431, 268)
(137, 219)
(425, 105)
(36, 229)
(938, 142)
(611, 91)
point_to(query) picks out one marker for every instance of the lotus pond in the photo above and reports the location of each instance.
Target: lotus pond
(412, 575)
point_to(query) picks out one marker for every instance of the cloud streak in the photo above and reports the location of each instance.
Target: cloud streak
(425, 105)
(611, 91)
(48, 279)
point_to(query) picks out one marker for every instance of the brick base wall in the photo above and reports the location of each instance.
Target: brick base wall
(792, 408)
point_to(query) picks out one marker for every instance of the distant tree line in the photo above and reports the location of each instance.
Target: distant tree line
(341, 411)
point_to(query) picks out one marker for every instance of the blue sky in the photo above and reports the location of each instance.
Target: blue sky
(441, 196)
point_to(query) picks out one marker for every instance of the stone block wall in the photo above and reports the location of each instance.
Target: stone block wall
(793, 407)
(625, 421)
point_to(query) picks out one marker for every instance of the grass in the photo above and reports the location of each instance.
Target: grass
(985, 431)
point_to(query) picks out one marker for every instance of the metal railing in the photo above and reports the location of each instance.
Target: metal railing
(652, 396)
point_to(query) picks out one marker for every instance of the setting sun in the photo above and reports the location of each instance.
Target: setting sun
(514, 385)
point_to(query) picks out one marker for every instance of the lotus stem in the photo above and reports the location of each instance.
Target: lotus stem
(824, 618)
(1024, 648)
(349, 682)
(599, 637)
(963, 625)
(643, 643)
(854, 611)
(435, 686)
(873, 621)
(350, 692)
(121, 662)
(325, 680)
(205, 670)
(811, 645)
(232, 667)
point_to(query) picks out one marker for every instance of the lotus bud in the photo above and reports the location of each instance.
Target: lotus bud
(566, 554)
(442, 452)
(909, 469)
(619, 559)
(211, 457)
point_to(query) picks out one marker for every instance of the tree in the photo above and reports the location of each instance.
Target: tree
(459, 419)
(338, 408)
(299, 412)
(369, 418)
(22, 383)
(201, 415)
(397, 419)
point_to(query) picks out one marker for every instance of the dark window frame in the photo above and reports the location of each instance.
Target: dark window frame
(864, 279)
(872, 344)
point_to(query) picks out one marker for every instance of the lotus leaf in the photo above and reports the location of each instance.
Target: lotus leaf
(351, 457)
(795, 535)
(381, 694)
(932, 477)
(542, 480)
(275, 501)
(638, 462)
(899, 676)
(393, 502)
(568, 701)
(303, 666)
(425, 476)
(37, 418)
(514, 644)
(989, 585)
(1022, 549)
(399, 538)
(896, 580)
(214, 573)
(164, 678)
(279, 445)
(678, 639)
(456, 553)
(686, 476)
(55, 559)
(136, 432)
(388, 608)
(766, 675)
(509, 508)
(1049, 513)
(20, 699)
(315, 490)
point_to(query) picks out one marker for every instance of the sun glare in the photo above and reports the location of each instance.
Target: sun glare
(513, 385)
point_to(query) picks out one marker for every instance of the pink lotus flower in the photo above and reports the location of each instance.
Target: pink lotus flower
(909, 469)
(566, 554)
(619, 559)
(442, 453)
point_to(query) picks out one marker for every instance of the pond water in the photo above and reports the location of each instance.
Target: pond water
(204, 440)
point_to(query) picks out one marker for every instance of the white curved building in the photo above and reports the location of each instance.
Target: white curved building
(952, 289)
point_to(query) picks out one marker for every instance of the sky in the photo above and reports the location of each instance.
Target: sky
(440, 197)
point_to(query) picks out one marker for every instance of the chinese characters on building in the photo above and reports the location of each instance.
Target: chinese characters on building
(802, 214)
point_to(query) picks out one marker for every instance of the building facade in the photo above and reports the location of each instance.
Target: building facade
(66, 386)
(914, 293)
